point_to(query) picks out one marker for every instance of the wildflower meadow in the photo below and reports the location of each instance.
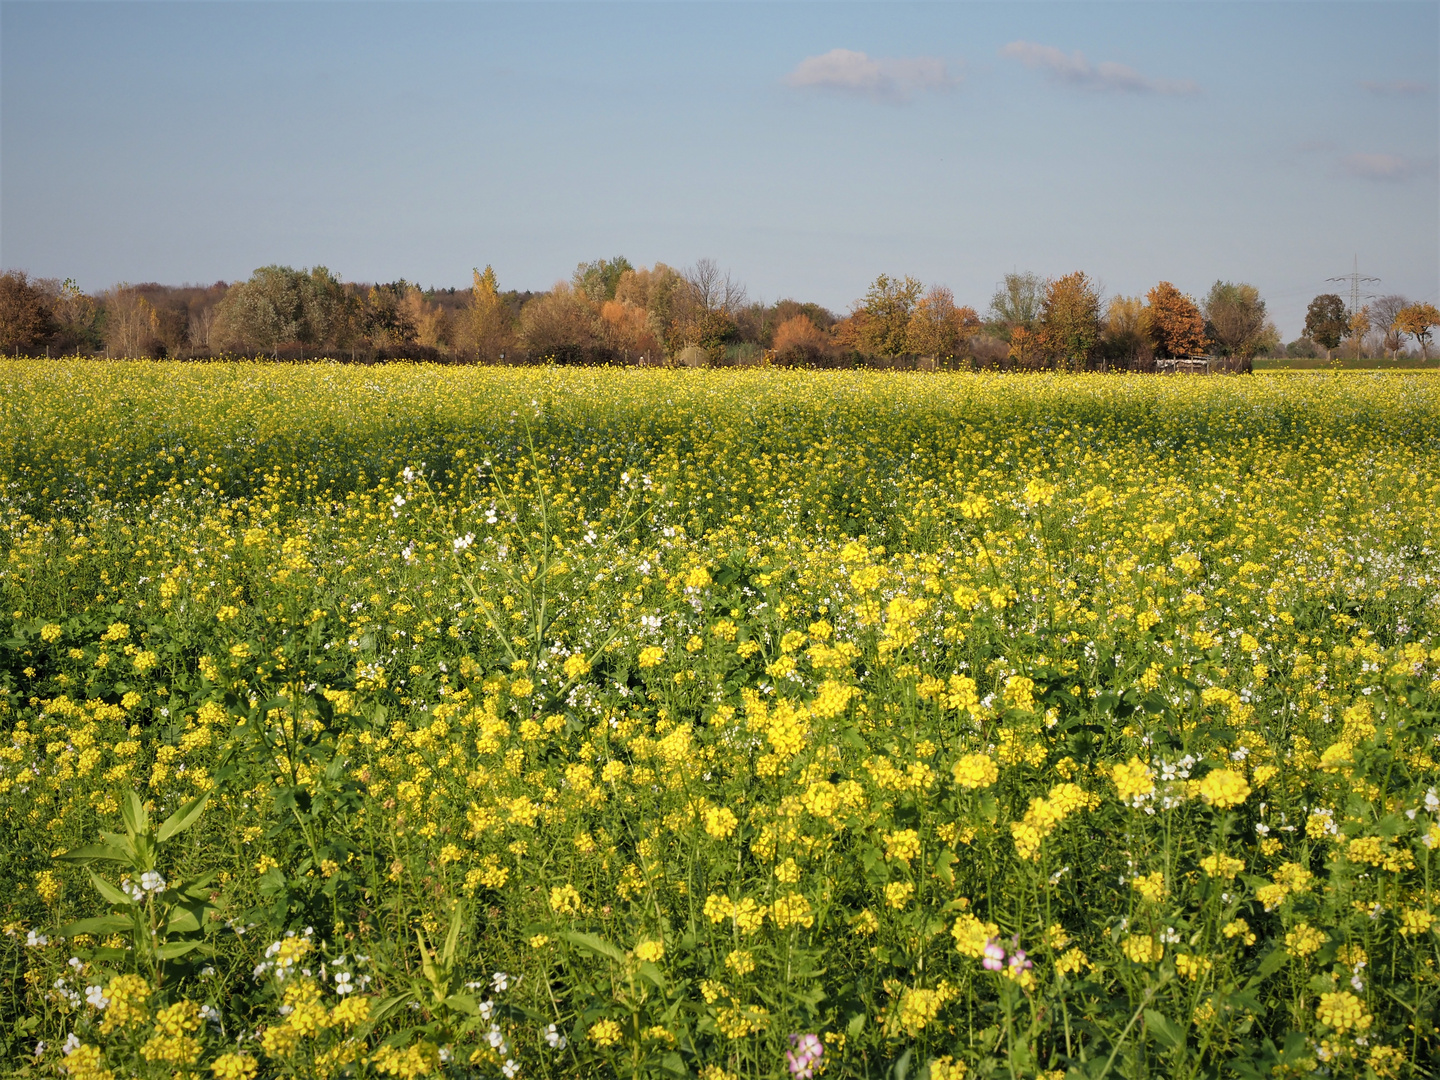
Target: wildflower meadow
(477, 722)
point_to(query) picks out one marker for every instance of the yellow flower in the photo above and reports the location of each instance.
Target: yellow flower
(1415, 921)
(947, 1068)
(1342, 1011)
(234, 1067)
(720, 821)
(1239, 928)
(564, 899)
(740, 961)
(50, 633)
(1303, 939)
(650, 656)
(903, 844)
(1142, 949)
(576, 665)
(971, 935)
(649, 951)
(1224, 788)
(975, 771)
(1150, 886)
(718, 907)
(1192, 967)
(898, 893)
(605, 1033)
(1221, 866)
(1133, 781)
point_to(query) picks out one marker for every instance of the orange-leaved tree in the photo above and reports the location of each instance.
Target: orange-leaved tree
(1070, 319)
(1416, 320)
(1029, 349)
(1176, 326)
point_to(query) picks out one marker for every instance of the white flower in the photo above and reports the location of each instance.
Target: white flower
(494, 1037)
(487, 1008)
(510, 1069)
(399, 500)
(463, 542)
(342, 983)
(70, 1045)
(152, 882)
(500, 981)
(554, 1038)
(95, 995)
(408, 474)
(34, 940)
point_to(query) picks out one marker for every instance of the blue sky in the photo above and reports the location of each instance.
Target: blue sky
(806, 147)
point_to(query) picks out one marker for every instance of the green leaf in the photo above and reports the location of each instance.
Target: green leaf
(104, 924)
(1274, 960)
(171, 949)
(183, 818)
(595, 944)
(1164, 1030)
(94, 853)
(182, 921)
(132, 810)
(653, 975)
(111, 894)
(855, 1026)
(674, 1064)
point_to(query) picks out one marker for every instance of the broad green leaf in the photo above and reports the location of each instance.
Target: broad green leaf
(1164, 1030)
(183, 818)
(595, 944)
(111, 893)
(94, 853)
(182, 921)
(132, 810)
(104, 924)
(171, 949)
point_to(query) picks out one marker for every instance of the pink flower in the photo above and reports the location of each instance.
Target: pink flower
(807, 1050)
(994, 955)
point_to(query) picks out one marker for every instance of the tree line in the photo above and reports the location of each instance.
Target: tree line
(610, 311)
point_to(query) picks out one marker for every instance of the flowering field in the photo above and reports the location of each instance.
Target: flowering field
(477, 722)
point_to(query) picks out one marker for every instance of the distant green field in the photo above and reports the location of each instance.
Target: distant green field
(1349, 363)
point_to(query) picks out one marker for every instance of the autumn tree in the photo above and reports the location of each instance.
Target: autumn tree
(1326, 321)
(560, 324)
(887, 307)
(1029, 349)
(26, 317)
(626, 330)
(798, 340)
(1417, 320)
(937, 327)
(1359, 326)
(1176, 326)
(1235, 320)
(132, 325)
(1018, 301)
(1128, 337)
(1070, 319)
(485, 329)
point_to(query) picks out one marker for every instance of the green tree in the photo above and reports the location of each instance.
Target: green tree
(887, 307)
(1235, 319)
(598, 280)
(1018, 302)
(1326, 321)
(1070, 318)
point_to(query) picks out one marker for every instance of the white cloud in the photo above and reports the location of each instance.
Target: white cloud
(881, 78)
(1401, 87)
(1075, 70)
(1382, 166)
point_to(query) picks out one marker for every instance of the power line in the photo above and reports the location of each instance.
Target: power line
(1355, 279)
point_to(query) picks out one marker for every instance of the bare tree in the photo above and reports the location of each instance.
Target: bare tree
(714, 289)
(1382, 320)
